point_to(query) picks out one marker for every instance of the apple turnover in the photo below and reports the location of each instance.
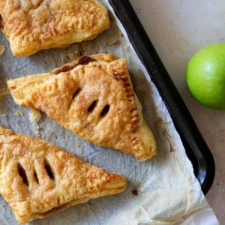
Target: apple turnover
(31, 26)
(38, 178)
(93, 97)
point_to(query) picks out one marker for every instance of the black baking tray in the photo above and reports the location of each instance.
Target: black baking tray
(194, 144)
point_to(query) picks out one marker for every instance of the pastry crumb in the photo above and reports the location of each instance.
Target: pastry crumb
(112, 42)
(134, 192)
(34, 115)
(96, 47)
(4, 206)
(2, 49)
(71, 56)
(4, 91)
(18, 113)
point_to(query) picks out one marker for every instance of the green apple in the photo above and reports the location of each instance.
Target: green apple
(205, 76)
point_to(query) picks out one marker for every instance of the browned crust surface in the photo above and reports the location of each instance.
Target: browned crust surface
(93, 97)
(38, 178)
(31, 26)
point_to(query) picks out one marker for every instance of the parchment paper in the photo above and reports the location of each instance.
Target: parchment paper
(162, 190)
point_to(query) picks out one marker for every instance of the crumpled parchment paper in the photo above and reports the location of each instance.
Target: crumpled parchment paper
(162, 190)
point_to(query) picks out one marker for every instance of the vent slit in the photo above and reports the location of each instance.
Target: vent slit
(105, 111)
(22, 173)
(1, 23)
(75, 96)
(36, 177)
(92, 106)
(49, 170)
(76, 93)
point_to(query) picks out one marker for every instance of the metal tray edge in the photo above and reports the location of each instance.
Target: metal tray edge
(195, 146)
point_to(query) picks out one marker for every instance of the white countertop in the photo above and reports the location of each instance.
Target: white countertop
(177, 29)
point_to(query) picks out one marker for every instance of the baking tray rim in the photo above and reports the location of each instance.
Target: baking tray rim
(195, 146)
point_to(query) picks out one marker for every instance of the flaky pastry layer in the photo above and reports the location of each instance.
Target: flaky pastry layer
(93, 97)
(31, 26)
(38, 178)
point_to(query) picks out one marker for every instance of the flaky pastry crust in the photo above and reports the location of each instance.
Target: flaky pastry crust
(31, 26)
(93, 97)
(38, 178)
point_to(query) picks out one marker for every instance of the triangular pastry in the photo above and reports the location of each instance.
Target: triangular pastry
(93, 97)
(31, 26)
(38, 178)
